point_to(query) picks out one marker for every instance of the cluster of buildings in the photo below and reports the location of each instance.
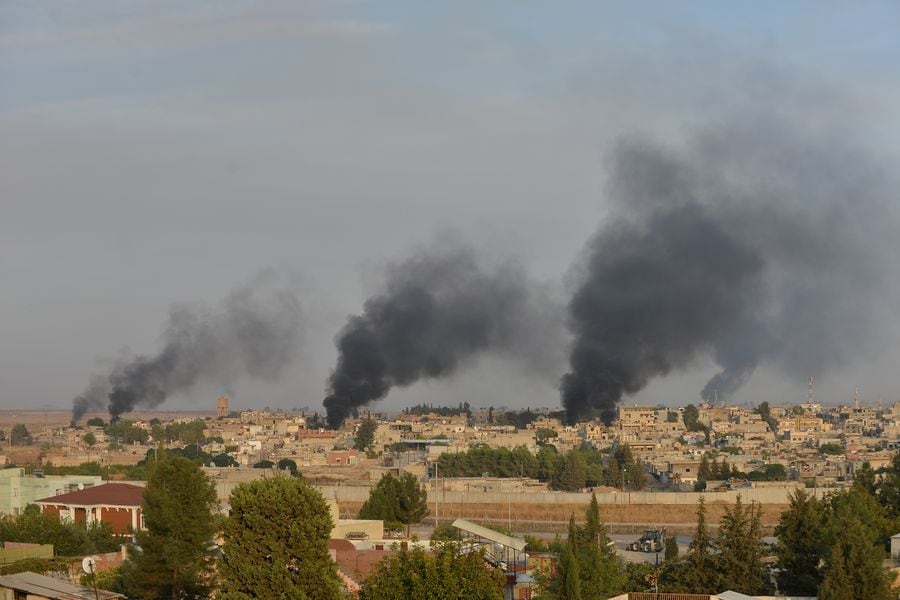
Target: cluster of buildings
(793, 437)
(816, 445)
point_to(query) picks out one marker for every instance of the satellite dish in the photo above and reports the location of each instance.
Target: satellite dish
(88, 563)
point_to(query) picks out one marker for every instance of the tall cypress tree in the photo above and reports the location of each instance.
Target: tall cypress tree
(741, 550)
(569, 573)
(601, 571)
(800, 546)
(175, 559)
(701, 573)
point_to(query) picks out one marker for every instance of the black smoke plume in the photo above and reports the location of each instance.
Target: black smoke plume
(437, 311)
(253, 333)
(753, 244)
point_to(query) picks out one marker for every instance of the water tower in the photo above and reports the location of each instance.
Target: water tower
(222, 406)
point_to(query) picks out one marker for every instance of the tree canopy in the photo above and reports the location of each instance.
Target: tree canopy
(175, 555)
(365, 435)
(445, 574)
(396, 501)
(19, 435)
(800, 549)
(276, 542)
(68, 539)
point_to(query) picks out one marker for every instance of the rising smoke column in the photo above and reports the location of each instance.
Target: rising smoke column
(754, 243)
(436, 312)
(254, 333)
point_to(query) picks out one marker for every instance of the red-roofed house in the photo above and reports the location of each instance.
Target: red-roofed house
(118, 504)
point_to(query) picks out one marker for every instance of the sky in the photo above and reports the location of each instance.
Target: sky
(156, 152)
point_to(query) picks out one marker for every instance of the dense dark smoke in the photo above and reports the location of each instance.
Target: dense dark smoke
(437, 311)
(254, 332)
(748, 245)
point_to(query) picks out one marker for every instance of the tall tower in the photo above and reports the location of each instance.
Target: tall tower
(222, 407)
(809, 394)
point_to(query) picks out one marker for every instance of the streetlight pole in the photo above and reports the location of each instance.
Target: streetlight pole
(435, 494)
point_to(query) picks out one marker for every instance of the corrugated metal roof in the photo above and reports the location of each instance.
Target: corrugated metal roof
(515, 543)
(48, 587)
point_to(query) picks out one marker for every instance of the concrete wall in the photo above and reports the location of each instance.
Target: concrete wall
(766, 495)
(13, 552)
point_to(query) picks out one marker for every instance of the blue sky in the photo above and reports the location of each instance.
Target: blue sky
(155, 152)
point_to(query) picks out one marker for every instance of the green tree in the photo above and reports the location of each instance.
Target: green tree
(866, 479)
(764, 411)
(365, 434)
(276, 542)
(89, 438)
(264, 464)
(691, 418)
(701, 573)
(110, 580)
(396, 501)
(544, 434)
(671, 548)
(741, 550)
(800, 547)
(224, 460)
(68, 539)
(588, 567)
(447, 573)
(572, 473)
(602, 572)
(286, 464)
(190, 432)
(857, 504)
(569, 575)
(888, 489)
(704, 472)
(548, 458)
(445, 532)
(831, 448)
(640, 576)
(126, 432)
(855, 567)
(634, 474)
(175, 559)
(96, 422)
(19, 435)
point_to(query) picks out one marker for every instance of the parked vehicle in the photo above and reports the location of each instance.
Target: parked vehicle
(653, 540)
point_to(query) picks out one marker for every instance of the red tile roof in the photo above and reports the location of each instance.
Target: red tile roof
(110, 494)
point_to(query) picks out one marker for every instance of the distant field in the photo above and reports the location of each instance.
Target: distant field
(36, 420)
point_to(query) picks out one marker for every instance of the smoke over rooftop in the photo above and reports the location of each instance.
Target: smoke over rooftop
(254, 333)
(437, 311)
(758, 243)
